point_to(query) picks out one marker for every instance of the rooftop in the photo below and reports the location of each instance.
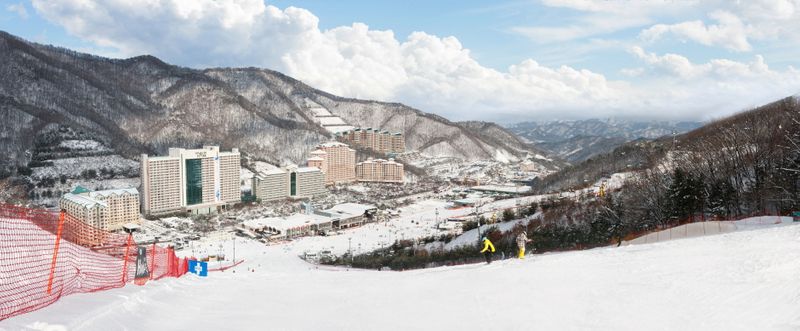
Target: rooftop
(276, 171)
(106, 193)
(289, 222)
(332, 144)
(502, 188)
(349, 209)
(307, 169)
(80, 189)
(84, 201)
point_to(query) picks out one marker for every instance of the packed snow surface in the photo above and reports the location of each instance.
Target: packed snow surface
(744, 280)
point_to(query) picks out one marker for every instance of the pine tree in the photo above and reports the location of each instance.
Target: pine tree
(685, 194)
(509, 215)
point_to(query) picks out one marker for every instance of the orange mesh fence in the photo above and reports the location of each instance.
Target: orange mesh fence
(44, 256)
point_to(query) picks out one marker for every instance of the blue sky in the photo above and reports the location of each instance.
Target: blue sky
(499, 60)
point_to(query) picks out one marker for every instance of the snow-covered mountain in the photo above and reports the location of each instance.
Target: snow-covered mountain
(576, 141)
(143, 105)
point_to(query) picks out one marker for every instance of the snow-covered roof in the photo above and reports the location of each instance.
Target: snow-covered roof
(390, 161)
(332, 144)
(338, 128)
(121, 191)
(315, 158)
(503, 188)
(84, 201)
(319, 152)
(276, 171)
(162, 158)
(348, 210)
(285, 223)
(307, 169)
(467, 201)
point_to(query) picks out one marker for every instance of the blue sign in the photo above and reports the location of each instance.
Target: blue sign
(198, 267)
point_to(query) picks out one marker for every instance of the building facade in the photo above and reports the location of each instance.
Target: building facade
(306, 182)
(336, 160)
(380, 170)
(271, 185)
(194, 180)
(374, 139)
(285, 183)
(102, 211)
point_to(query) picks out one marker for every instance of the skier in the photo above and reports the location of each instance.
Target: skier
(488, 249)
(522, 238)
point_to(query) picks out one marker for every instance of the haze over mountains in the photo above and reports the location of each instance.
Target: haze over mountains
(578, 140)
(143, 105)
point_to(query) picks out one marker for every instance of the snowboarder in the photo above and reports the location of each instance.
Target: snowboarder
(488, 249)
(522, 238)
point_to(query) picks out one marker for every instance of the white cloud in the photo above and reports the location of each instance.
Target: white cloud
(19, 9)
(631, 72)
(714, 88)
(680, 66)
(436, 74)
(625, 7)
(730, 32)
(737, 26)
(587, 26)
(599, 18)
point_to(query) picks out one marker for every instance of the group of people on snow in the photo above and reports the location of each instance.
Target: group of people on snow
(488, 247)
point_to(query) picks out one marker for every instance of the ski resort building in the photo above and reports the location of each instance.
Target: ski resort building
(282, 183)
(375, 139)
(105, 210)
(311, 222)
(349, 215)
(336, 160)
(194, 180)
(379, 170)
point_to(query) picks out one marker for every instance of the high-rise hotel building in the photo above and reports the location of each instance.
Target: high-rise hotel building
(195, 180)
(290, 182)
(336, 160)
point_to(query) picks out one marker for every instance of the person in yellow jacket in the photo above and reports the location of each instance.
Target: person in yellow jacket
(522, 239)
(488, 249)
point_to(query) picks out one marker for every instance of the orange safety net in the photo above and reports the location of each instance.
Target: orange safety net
(46, 255)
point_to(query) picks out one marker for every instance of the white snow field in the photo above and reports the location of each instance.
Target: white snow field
(744, 280)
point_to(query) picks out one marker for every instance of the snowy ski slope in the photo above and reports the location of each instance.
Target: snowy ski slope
(745, 280)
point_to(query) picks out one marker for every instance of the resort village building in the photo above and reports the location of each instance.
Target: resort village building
(336, 160)
(102, 211)
(374, 139)
(282, 183)
(310, 222)
(195, 180)
(379, 170)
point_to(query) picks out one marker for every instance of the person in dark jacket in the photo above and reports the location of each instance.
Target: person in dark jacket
(488, 249)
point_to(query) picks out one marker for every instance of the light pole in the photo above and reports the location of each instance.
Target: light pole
(221, 250)
(350, 248)
(478, 219)
(437, 217)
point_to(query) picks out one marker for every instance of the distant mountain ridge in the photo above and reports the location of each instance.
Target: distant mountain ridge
(144, 105)
(579, 140)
